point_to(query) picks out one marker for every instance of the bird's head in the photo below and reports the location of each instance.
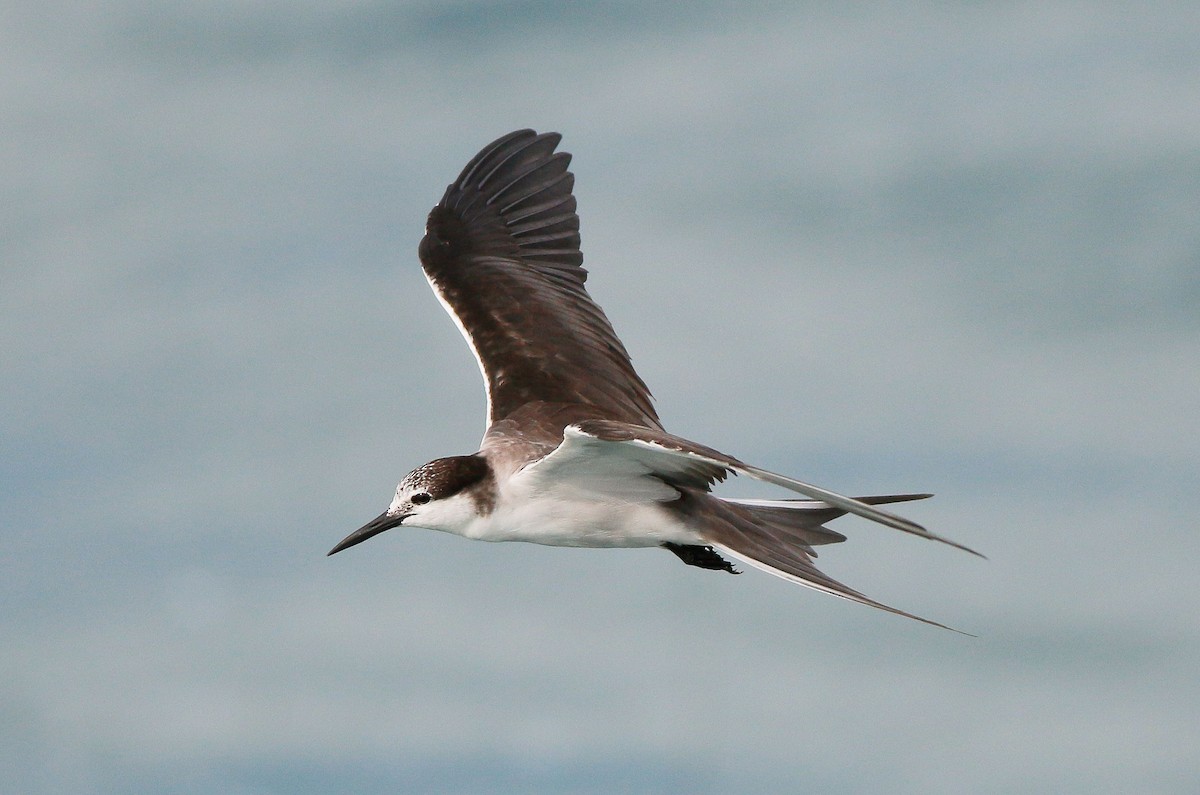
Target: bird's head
(436, 496)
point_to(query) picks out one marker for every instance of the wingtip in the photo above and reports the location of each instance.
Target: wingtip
(952, 629)
(976, 554)
(915, 617)
(920, 530)
(957, 545)
(831, 587)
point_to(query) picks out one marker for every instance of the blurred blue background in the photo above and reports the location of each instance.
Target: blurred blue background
(944, 247)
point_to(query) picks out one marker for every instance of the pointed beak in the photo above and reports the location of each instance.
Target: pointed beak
(382, 522)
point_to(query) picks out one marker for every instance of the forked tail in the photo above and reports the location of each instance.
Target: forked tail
(777, 536)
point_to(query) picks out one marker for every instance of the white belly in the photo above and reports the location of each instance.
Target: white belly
(581, 521)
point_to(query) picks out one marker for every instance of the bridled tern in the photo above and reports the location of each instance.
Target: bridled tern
(574, 453)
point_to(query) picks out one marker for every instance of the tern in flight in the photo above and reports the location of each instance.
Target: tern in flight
(574, 453)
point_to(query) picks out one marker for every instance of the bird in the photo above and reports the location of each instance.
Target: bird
(574, 453)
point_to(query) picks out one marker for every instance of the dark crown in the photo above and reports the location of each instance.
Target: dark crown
(444, 477)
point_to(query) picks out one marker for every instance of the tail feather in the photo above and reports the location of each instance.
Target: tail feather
(777, 537)
(803, 519)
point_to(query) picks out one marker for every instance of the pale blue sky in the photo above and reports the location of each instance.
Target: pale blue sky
(896, 248)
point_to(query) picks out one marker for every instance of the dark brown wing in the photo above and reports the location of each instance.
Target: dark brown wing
(501, 251)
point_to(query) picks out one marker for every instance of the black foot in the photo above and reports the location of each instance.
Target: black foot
(702, 556)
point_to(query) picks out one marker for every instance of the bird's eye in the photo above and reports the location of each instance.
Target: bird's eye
(421, 497)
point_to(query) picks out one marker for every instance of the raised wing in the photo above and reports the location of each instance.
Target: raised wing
(501, 251)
